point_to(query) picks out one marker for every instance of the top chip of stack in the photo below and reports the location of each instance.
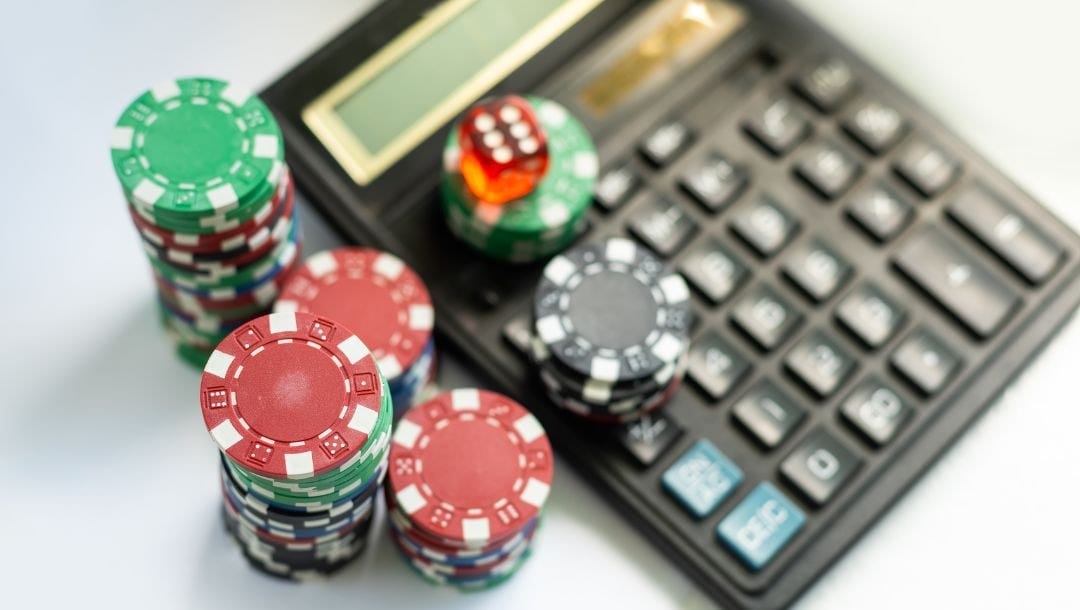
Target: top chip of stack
(470, 473)
(381, 299)
(611, 329)
(302, 417)
(201, 164)
(542, 222)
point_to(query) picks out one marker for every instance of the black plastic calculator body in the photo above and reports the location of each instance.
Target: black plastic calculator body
(865, 284)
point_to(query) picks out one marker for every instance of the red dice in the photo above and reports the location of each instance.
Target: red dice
(503, 149)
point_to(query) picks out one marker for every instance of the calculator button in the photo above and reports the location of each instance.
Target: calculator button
(779, 126)
(646, 439)
(517, 332)
(715, 366)
(701, 479)
(816, 270)
(616, 186)
(820, 466)
(714, 182)
(924, 361)
(765, 317)
(765, 226)
(926, 167)
(874, 125)
(876, 411)
(819, 362)
(768, 414)
(870, 315)
(662, 225)
(713, 270)
(880, 211)
(663, 144)
(760, 526)
(827, 84)
(1024, 247)
(828, 169)
(957, 281)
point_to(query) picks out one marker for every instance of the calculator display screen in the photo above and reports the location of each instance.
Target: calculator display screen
(428, 74)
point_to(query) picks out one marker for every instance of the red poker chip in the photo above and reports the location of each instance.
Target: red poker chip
(200, 243)
(374, 293)
(496, 564)
(470, 466)
(290, 395)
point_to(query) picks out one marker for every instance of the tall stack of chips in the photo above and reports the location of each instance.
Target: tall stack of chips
(302, 417)
(201, 164)
(518, 176)
(470, 471)
(383, 301)
(611, 327)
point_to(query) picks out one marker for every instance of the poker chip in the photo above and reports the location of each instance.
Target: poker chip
(380, 298)
(545, 220)
(610, 330)
(470, 471)
(302, 419)
(201, 165)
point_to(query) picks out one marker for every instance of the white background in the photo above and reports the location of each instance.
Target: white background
(109, 477)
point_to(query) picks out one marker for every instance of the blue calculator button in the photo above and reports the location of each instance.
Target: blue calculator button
(760, 526)
(702, 478)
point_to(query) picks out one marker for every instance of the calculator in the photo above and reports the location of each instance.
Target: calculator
(864, 283)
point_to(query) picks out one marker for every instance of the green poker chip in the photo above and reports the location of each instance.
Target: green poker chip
(541, 223)
(196, 147)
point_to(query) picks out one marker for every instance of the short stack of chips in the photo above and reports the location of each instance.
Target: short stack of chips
(201, 163)
(303, 420)
(383, 301)
(547, 218)
(470, 471)
(611, 329)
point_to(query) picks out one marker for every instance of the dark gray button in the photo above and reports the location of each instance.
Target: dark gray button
(876, 411)
(870, 315)
(714, 182)
(518, 332)
(662, 225)
(764, 225)
(816, 269)
(924, 361)
(880, 211)
(826, 84)
(828, 169)
(712, 269)
(715, 365)
(616, 186)
(820, 363)
(663, 144)
(957, 281)
(647, 438)
(768, 414)
(926, 167)
(1009, 235)
(820, 466)
(765, 317)
(874, 125)
(778, 126)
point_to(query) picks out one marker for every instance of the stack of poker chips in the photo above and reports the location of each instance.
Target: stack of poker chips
(470, 471)
(383, 301)
(546, 219)
(302, 418)
(611, 329)
(201, 165)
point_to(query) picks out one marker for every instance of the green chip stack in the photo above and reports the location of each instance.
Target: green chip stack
(201, 165)
(545, 221)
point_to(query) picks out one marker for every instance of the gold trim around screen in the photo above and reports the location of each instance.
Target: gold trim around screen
(363, 165)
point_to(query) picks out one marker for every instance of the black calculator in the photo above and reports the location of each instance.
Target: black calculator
(864, 283)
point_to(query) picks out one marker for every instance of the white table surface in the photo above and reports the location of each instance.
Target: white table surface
(109, 485)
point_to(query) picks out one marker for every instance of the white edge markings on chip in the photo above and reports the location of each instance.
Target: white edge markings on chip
(620, 249)
(222, 196)
(299, 464)
(322, 263)
(410, 499)
(363, 419)
(121, 138)
(165, 90)
(535, 492)
(354, 349)
(559, 269)
(586, 164)
(465, 399)
(667, 348)
(282, 322)
(218, 364)
(147, 192)
(528, 427)
(550, 330)
(225, 434)
(604, 369)
(266, 146)
(421, 317)
(237, 96)
(390, 366)
(388, 266)
(674, 288)
(476, 530)
(406, 433)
